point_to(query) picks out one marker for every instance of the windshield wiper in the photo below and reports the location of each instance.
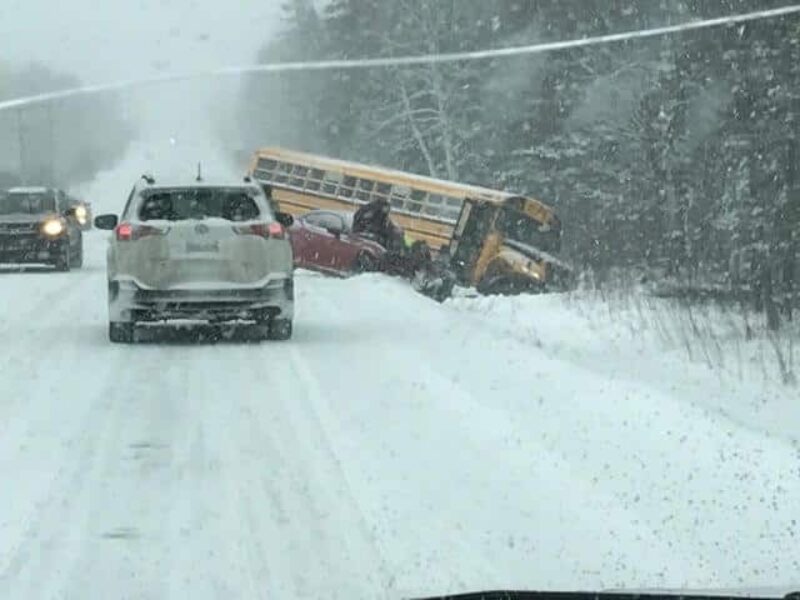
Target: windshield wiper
(522, 595)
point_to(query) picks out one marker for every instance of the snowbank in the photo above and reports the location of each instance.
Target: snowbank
(713, 357)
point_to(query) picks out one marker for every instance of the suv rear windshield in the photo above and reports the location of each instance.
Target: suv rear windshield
(199, 203)
(27, 203)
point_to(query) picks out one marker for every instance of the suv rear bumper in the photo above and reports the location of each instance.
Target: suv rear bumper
(129, 302)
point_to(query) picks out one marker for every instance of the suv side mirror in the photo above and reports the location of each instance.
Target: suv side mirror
(284, 219)
(70, 212)
(107, 222)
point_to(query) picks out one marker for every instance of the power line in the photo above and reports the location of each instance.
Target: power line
(409, 61)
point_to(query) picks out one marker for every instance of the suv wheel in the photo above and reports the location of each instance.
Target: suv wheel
(120, 333)
(280, 330)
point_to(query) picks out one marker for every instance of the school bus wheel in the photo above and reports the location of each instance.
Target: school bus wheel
(498, 281)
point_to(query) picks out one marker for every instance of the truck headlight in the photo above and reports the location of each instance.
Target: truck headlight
(53, 227)
(533, 270)
(81, 214)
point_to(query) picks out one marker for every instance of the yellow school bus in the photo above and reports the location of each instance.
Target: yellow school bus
(498, 241)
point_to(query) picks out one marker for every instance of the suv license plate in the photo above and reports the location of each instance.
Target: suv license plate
(202, 247)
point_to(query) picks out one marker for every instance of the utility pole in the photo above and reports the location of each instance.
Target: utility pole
(52, 149)
(22, 167)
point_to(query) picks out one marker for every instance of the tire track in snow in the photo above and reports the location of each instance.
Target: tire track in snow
(247, 571)
(319, 410)
(40, 403)
(328, 313)
(286, 494)
(36, 329)
(126, 529)
(87, 415)
(32, 563)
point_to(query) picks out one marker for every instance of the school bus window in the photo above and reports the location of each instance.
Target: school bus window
(399, 195)
(266, 164)
(414, 207)
(282, 172)
(434, 211)
(401, 191)
(455, 202)
(418, 195)
(382, 192)
(347, 187)
(452, 213)
(314, 180)
(331, 181)
(298, 176)
(519, 227)
(364, 188)
(433, 205)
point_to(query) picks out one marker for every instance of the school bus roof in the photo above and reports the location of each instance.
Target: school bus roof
(422, 182)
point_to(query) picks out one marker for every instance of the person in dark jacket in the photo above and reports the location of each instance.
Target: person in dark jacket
(373, 218)
(405, 257)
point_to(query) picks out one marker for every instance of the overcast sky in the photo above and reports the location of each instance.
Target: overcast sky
(118, 39)
(111, 40)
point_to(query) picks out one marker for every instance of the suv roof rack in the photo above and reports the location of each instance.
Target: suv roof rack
(149, 178)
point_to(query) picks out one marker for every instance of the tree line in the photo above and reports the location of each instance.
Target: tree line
(673, 158)
(59, 143)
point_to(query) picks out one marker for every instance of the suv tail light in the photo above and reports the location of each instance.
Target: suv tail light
(272, 230)
(127, 232)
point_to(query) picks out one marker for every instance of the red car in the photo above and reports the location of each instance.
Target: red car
(322, 241)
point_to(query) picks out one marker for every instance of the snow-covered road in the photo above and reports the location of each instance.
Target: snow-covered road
(394, 447)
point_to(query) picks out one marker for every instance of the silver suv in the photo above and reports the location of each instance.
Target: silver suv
(202, 253)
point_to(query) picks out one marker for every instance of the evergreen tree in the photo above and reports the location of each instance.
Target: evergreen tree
(674, 156)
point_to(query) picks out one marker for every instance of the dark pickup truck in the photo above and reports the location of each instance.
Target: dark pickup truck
(39, 226)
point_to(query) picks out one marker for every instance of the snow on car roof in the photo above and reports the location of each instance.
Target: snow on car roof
(29, 190)
(173, 184)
